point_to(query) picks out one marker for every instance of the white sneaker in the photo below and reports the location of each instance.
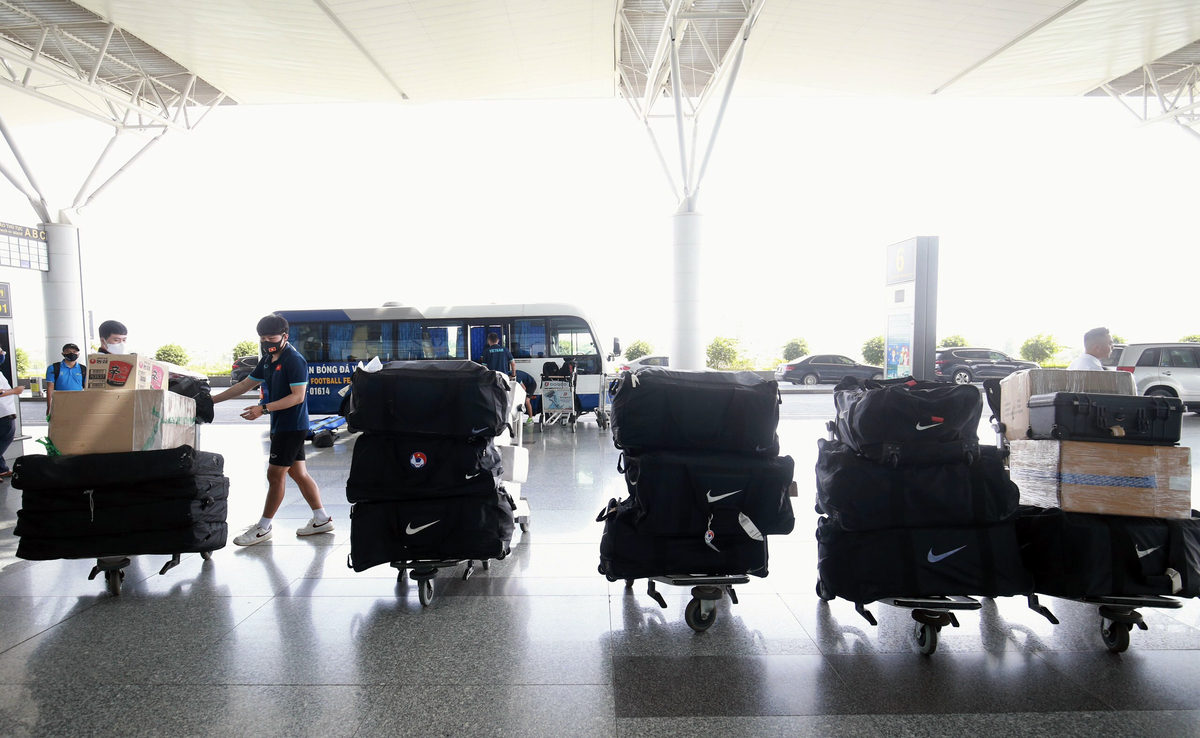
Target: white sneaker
(313, 529)
(254, 534)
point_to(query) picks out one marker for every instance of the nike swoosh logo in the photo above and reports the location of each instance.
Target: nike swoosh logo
(260, 535)
(927, 427)
(1147, 552)
(411, 530)
(761, 448)
(720, 497)
(478, 430)
(934, 559)
(472, 476)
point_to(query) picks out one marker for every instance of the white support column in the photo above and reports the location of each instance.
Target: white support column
(62, 291)
(687, 349)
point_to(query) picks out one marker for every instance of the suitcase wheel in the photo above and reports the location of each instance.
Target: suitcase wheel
(700, 614)
(1115, 635)
(113, 579)
(206, 555)
(927, 638)
(425, 591)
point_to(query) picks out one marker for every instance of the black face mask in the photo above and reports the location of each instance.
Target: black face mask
(271, 348)
(70, 357)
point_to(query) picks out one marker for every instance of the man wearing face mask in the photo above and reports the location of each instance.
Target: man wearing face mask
(8, 416)
(283, 372)
(112, 337)
(64, 376)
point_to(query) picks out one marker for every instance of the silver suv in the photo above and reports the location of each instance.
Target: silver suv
(1167, 369)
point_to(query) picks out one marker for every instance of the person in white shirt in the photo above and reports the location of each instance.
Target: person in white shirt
(1097, 346)
(8, 417)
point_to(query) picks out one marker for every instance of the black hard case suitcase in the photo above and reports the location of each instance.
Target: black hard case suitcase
(864, 566)
(108, 470)
(734, 412)
(1079, 555)
(196, 538)
(393, 467)
(686, 494)
(1084, 416)
(452, 529)
(626, 552)
(860, 494)
(459, 399)
(908, 422)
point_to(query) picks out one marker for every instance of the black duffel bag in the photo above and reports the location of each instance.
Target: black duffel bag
(860, 494)
(629, 553)
(81, 499)
(199, 390)
(1078, 555)
(154, 515)
(734, 412)
(446, 529)
(459, 399)
(113, 470)
(394, 467)
(687, 494)
(864, 566)
(196, 538)
(903, 421)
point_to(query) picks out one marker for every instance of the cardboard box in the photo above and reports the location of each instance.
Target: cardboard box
(122, 420)
(126, 371)
(1018, 387)
(1104, 478)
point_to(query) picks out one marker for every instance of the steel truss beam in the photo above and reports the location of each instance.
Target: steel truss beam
(1168, 93)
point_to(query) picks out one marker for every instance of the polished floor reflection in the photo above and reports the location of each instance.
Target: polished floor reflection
(284, 639)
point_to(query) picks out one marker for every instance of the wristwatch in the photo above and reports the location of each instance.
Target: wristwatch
(265, 410)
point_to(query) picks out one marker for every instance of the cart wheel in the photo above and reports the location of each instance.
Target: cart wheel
(425, 591)
(824, 592)
(400, 576)
(324, 439)
(695, 618)
(112, 582)
(565, 422)
(524, 527)
(206, 555)
(1115, 635)
(486, 564)
(927, 638)
(628, 584)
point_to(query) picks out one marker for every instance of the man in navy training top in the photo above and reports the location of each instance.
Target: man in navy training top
(64, 376)
(497, 358)
(284, 374)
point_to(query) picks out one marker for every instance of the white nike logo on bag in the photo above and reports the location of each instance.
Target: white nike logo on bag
(411, 530)
(1147, 552)
(761, 448)
(719, 497)
(934, 559)
(472, 476)
(927, 427)
(479, 430)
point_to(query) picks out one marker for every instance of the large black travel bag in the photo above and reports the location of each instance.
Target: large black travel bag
(460, 399)
(116, 521)
(626, 552)
(860, 494)
(109, 470)
(735, 412)
(686, 494)
(449, 529)
(1080, 555)
(199, 390)
(195, 538)
(184, 489)
(864, 566)
(908, 422)
(1082, 416)
(393, 467)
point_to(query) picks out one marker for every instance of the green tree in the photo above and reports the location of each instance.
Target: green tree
(1040, 348)
(1117, 339)
(954, 341)
(723, 353)
(638, 349)
(1194, 338)
(872, 351)
(795, 348)
(22, 363)
(172, 353)
(245, 348)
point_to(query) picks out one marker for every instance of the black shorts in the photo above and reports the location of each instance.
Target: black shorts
(287, 447)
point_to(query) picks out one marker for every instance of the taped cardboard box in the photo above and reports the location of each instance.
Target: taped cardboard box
(122, 420)
(1104, 478)
(126, 371)
(1018, 387)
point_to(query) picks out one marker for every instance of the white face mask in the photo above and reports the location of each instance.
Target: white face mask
(116, 348)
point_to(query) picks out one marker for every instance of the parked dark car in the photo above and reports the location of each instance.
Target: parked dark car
(824, 369)
(242, 366)
(967, 365)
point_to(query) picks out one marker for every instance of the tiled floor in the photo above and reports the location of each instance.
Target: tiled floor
(284, 639)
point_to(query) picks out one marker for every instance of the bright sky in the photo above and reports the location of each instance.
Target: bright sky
(1054, 215)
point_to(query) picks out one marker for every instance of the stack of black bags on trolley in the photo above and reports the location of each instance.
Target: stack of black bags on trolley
(913, 505)
(168, 501)
(706, 482)
(425, 478)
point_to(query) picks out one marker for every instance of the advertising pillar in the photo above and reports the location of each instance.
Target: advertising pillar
(910, 294)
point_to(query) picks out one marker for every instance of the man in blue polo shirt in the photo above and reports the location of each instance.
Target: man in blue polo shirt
(64, 376)
(497, 358)
(283, 373)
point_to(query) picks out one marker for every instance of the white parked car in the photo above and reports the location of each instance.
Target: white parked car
(652, 360)
(1166, 369)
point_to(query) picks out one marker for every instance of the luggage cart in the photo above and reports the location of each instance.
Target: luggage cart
(113, 568)
(424, 572)
(707, 591)
(557, 392)
(608, 390)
